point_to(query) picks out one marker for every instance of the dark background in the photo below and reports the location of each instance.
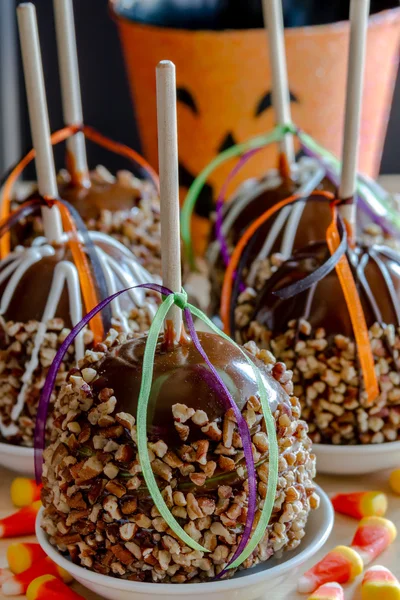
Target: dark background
(106, 99)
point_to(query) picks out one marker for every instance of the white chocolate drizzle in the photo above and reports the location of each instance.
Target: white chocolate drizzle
(309, 175)
(119, 274)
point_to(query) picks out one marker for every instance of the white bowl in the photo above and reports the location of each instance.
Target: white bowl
(246, 585)
(17, 458)
(356, 460)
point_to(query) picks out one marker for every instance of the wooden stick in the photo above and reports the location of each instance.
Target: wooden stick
(39, 119)
(359, 11)
(169, 185)
(70, 85)
(273, 20)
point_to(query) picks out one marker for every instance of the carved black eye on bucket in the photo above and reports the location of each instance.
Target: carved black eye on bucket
(185, 97)
(266, 102)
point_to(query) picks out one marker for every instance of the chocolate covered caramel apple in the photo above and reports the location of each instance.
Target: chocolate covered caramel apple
(279, 235)
(124, 207)
(313, 334)
(40, 301)
(176, 457)
(97, 507)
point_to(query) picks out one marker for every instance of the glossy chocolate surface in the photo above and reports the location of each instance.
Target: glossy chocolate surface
(181, 376)
(314, 221)
(325, 305)
(33, 289)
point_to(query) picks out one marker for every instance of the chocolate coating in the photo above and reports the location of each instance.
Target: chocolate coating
(33, 289)
(325, 306)
(181, 376)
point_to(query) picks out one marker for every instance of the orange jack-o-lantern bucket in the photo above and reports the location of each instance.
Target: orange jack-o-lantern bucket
(224, 89)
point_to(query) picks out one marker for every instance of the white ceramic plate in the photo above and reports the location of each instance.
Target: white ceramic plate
(246, 585)
(356, 460)
(18, 459)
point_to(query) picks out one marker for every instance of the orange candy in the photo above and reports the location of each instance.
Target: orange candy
(373, 536)
(24, 491)
(48, 587)
(328, 591)
(361, 504)
(380, 584)
(341, 565)
(18, 584)
(21, 522)
(21, 557)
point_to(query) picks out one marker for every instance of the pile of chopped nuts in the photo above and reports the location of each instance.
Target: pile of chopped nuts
(98, 510)
(326, 378)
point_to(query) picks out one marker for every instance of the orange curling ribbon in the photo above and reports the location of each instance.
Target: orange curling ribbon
(345, 278)
(56, 138)
(89, 295)
(356, 312)
(226, 295)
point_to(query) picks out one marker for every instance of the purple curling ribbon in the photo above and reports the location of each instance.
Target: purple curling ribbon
(246, 441)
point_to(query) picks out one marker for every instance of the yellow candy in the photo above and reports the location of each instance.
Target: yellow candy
(380, 584)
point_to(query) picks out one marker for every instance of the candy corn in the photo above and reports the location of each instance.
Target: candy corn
(380, 584)
(24, 491)
(361, 504)
(342, 564)
(328, 591)
(48, 587)
(373, 536)
(21, 522)
(394, 481)
(21, 557)
(18, 584)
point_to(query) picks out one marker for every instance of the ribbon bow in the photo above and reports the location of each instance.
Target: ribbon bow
(250, 539)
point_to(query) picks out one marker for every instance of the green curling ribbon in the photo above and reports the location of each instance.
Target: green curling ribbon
(276, 135)
(180, 300)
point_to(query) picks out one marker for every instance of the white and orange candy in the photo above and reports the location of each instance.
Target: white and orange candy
(24, 491)
(18, 584)
(361, 504)
(373, 536)
(380, 584)
(340, 565)
(328, 591)
(21, 522)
